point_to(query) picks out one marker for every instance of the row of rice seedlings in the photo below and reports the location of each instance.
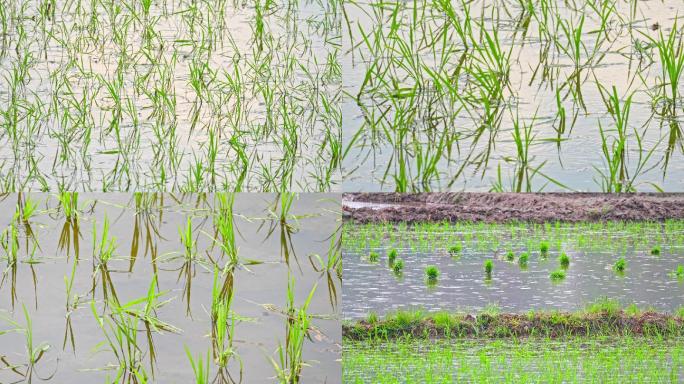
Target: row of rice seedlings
(427, 72)
(257, 146)
(616, 237)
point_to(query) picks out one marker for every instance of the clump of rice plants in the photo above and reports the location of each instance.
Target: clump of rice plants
(558, 274)
(564, 260)
(544, 247)
(373, 257)
(455, 250)
(510, 256)
(488, 267)
(392, 256)
(620, 265)
(432, 273)
(398, 267)
(655, 250)
(523, 259)
(679, 271)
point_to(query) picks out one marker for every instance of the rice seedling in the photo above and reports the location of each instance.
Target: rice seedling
(392, 256)
(454, 250)
(69, 204)
(200, 367)
(488, 267)
(558, 274)
(104, 248)
(620, 265)
(431, 272)
(523, 259)
(655, 250)
(510, 256)
(34, 353)
(290, 356)
(398, 267)
(544, 247)
(373, 257)
(679, 271)
(223, 326)
(564, 260)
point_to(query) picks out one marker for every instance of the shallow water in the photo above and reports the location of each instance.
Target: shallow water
(150, 241)
(575, 163)
(212, 95)
(462, 284)
(530, 360)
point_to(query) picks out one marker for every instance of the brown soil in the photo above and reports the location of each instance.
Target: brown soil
(552, 325)
(506, 207)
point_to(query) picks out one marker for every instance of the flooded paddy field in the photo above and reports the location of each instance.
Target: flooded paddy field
(515, 267)
(511, 288)
(513, 95)
(577, 360)
(138, 288)
(170, 95)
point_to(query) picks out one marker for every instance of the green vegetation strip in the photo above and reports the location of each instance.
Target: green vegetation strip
(603, 318)
(452, 238)
(536, 360)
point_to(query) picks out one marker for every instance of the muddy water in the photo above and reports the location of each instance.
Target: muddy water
(573, 165)
(462, 284)
(259, 290)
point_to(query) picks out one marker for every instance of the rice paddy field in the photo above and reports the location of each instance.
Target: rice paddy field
(580, 265)
(629, 360)
(556, 302)
(170, 288)
(513, 95)
(161, 95)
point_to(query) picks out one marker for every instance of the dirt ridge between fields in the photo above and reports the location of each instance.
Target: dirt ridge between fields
(508, 207)
(541, 324)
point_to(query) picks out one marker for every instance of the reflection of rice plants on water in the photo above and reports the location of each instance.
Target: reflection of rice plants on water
(512, 95)
(169, 269)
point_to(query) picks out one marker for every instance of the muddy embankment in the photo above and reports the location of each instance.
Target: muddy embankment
(542, 324)
(507, 207)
